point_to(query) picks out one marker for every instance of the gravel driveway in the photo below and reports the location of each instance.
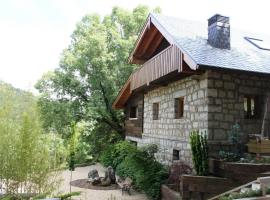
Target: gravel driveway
(87, 194)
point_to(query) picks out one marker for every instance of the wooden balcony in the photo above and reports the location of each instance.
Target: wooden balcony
(167, 61)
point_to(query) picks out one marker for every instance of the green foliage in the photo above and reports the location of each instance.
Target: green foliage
(235, 138)
(25, 156)
(250, 193)
(199, 148)
(115, 154)
(234, 135)
(249, 158)
(91, 72)
(138, 164)
(229, 156)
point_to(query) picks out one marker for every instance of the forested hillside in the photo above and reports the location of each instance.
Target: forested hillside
(25, 151)
(16, 100)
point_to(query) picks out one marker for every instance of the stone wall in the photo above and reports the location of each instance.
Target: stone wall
(226, 92)
(170, 133)
(213, 102)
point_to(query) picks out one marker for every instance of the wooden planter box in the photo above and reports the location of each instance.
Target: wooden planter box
(239, 172)
(203, 187)
(255, 146)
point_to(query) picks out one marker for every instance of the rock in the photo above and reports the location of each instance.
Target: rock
(93, 177)
(109, 177)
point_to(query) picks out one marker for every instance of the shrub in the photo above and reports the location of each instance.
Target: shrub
(199, 150)
(115, 154)
(235, 138)
(229, 156)
(144, 170)
(138, 164)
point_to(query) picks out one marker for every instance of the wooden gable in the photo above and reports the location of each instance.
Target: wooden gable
(159, 55)
(149, 44)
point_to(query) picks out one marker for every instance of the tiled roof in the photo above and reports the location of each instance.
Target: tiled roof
(192, 36)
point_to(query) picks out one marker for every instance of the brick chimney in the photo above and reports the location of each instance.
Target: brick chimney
(219, 32)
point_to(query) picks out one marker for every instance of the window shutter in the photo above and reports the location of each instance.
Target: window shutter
(155, 111)
(176, 108)
(179, 107)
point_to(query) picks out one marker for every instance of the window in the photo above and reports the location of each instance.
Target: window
(179, 107)
(133, 112)
(155, 111)
(251, 107)
(175, 154)
(259, 43)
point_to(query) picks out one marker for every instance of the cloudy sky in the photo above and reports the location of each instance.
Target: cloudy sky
(33, 33)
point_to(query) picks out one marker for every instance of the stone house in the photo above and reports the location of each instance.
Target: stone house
(194, 76)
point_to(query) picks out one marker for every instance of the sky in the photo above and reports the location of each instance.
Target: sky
(33, 33)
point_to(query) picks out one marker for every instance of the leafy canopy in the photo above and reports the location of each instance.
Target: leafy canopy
(91, 72)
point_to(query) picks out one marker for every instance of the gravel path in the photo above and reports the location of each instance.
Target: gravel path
(87, 194)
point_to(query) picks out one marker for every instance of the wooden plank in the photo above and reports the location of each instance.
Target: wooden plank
(233, 190)
(160, 65)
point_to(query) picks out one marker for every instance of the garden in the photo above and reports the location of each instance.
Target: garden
(235, 170)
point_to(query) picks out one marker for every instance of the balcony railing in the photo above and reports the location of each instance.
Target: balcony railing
(165, 62)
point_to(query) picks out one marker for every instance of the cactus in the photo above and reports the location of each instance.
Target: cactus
(199, 148)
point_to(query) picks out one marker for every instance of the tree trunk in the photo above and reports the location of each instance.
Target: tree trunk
(70, 182)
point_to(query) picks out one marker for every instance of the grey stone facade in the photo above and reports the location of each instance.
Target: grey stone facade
(170, 133)
(213, 102)
(226, 92)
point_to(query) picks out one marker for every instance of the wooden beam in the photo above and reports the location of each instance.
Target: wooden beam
(181, 62)
(123, 95)
(138, 60)
(191, 63)
(146, 41)
(154, 44)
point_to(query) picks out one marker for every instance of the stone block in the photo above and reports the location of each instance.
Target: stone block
(218, 84)
(203, 83)
(229, 85)
(212, 108)
(229, 118)
(201, 94)
(226, 77)
(218, 116)
(214, 74)
(230, 94)
(212, 93)
(221, 93)
(220, 134)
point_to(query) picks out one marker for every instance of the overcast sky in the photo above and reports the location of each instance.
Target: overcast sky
(33, 33)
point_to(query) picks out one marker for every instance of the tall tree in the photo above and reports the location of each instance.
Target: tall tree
(92, 70)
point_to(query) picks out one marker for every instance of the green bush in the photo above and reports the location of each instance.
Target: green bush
(229, 156)
(115, 154)
(199, 150)
(138, 164)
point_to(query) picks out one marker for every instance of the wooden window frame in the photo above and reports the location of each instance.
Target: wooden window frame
(176, 154)
(155, 111)
(179, 107)
(248, 108)
(132, 112)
